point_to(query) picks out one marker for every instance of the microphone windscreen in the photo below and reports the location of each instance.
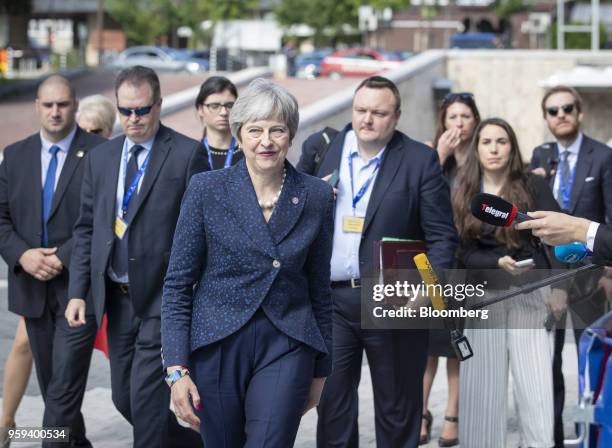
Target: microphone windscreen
(571, 253)
(493, 210)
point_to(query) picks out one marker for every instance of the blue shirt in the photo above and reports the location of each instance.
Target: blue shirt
(345, 254)
(142, 155)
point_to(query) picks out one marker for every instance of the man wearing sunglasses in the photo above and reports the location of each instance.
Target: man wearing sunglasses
(40, 180)
(131, 196)
(579, 170)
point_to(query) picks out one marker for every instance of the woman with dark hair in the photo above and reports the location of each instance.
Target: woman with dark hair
(514, 337)
(457, 119)
(214, 101)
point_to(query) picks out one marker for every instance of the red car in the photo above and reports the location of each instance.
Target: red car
(358, 62)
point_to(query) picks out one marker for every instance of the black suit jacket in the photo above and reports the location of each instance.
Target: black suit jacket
(591, 195)
(174, 159)
(21, 216)
(602, 249)
(410, 198)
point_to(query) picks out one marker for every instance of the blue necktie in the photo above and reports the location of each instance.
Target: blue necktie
(47, 193)
(564, 170)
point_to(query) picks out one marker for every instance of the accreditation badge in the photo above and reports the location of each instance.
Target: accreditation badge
(120, 227)
(353, 224)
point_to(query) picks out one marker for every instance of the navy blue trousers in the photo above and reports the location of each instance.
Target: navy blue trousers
(253, 386)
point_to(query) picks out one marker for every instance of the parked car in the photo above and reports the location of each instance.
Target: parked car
(475, 40)
(308, 65)
(202, 57)
(357, 62)
(158, 58)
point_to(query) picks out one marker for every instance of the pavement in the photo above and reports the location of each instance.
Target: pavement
(19, 117)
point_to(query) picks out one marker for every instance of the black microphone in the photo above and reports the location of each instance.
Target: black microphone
(496, 211)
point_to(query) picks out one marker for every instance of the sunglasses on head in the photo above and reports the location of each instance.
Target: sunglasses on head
(139, 111)
(554, 110)
(96, 131)
(450, 97)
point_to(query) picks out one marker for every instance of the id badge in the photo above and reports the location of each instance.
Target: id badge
(353, 224)
(120, 227)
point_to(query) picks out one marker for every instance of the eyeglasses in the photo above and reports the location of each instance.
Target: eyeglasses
(139, 111)
(554, 110)
(216, 107)
(96, 131)
(450, 97)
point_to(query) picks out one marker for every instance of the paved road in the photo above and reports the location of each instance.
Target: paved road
(19, 117)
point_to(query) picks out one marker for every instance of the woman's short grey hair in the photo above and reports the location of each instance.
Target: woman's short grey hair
(264, 100)
(97, 109)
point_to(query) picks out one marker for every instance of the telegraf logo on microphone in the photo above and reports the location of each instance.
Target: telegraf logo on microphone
(494, 212)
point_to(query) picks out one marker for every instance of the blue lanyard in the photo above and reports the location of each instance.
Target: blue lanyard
(566, 190)
(127, 195)
(362, 191)
(228, 158)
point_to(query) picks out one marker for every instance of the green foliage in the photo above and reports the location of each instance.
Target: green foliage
(505, 8)
(578, 41)
(328, 18)
(145, 20)
(142, 20)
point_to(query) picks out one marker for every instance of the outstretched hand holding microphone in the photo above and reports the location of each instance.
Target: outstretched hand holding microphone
(555, 229)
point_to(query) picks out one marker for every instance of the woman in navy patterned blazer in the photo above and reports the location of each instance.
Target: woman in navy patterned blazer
(246, 309)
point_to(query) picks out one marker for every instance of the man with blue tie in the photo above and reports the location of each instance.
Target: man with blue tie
(131, 197)
(579, 170)
(40, 183)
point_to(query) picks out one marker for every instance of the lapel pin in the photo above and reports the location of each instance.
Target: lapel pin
(80, 154)
(295, 200)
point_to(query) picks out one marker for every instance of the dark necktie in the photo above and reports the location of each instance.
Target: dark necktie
(564, 171)
(47, 193)
(120, 249)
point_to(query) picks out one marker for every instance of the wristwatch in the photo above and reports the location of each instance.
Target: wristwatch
(176, 375)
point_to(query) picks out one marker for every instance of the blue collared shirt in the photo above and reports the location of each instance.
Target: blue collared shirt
(142, 155)
(572, 158)
(345, 254)
(45, 155)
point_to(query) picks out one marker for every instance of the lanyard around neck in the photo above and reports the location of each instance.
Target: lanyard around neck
(364, 188)
(228, 157)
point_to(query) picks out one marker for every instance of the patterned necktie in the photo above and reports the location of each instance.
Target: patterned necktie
(564, 171)
(47, 193)
(120, 249)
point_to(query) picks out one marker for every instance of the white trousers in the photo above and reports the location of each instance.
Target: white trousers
(517, 342)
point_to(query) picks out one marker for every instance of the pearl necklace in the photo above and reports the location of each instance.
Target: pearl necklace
(268, 205)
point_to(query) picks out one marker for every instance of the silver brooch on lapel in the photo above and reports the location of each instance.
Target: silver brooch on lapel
(295, 200)
(80, 154)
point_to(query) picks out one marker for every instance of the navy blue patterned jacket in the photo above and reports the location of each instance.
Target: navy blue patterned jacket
(227, 262)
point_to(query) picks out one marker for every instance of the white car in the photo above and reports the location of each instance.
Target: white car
(157, 58)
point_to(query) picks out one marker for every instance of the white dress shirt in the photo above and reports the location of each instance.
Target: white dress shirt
(45, 155)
